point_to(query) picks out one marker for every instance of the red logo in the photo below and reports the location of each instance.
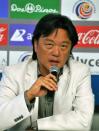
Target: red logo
(3, 34)
(88, 36)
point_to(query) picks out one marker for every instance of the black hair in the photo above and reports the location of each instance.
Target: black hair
(49, 23)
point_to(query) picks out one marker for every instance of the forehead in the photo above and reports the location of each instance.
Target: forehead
(58, 34)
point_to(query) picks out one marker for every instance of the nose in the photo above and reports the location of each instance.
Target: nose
(56, 51)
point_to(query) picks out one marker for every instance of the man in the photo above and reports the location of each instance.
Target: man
(31, 97)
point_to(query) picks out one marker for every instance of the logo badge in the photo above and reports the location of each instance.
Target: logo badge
(21, 34)
(33, 9)
(18, 56)
(84, 9)
(3, 34)
(88, 36)
(24, 56)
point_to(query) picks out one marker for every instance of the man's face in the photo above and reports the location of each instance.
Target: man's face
(53, 50)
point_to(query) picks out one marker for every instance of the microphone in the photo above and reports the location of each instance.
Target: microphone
(55, 71)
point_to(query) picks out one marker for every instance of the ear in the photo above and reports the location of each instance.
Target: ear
(35, 46)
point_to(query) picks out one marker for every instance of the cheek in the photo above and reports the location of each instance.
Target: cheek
(65, 57)
(42, 55)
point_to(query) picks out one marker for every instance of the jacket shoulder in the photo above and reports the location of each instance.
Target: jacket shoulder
(19, 68)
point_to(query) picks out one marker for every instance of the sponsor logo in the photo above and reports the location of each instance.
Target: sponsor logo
(4, 9)
(18, 56)
(18, 35)
(90, 59)
(3, 34)
(30, 8)
(88, 36)
(24, 56)
(84, 9)
(33, 9)
(21, 35)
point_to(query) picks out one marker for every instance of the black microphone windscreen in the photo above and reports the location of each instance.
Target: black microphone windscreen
(54, 70)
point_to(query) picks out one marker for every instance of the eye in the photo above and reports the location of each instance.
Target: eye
(64, 45)
(49, 45)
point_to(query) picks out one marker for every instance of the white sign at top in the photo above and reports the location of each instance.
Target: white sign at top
(81, 9)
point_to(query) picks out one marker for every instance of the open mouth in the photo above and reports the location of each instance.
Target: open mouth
(54, 62)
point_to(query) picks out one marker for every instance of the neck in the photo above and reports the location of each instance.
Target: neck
(42, 70)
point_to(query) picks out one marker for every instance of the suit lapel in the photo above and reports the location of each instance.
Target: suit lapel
(31, 74)
(30, 78)
(62, 91)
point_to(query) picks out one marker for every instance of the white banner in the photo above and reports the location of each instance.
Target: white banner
(91, 59)
(18, 56)
(3, 60)
(81, 9)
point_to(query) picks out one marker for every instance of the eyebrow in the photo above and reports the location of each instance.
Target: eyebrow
(48, 39)
(65, 41)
